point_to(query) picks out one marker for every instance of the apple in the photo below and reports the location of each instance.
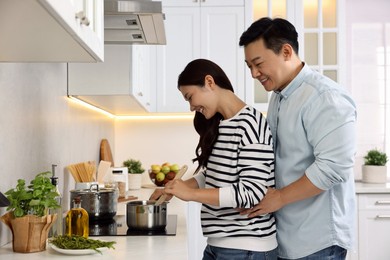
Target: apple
(152, 175)
(159, 183)
(170, 175)
(156, 168)
(165, 169)
(174, 167)
(160, 176)
(166, 164)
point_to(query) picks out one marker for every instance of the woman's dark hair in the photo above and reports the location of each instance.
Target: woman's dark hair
(194, 74)
(274, 32)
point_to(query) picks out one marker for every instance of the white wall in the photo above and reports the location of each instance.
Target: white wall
(40, 126)
(155, 141)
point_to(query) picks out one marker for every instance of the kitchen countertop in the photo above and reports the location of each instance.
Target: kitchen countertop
(126, 247)
(361, 187)
(151, 247)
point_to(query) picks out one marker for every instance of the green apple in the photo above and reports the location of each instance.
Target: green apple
(160, 176)
(174, 167)
(156, 168)
(165, 169)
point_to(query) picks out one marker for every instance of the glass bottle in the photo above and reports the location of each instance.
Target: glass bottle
(57, 227)
(77, 220)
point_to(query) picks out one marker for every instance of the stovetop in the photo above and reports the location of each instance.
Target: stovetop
(117, 227)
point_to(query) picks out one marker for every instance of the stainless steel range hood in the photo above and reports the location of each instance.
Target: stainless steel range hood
(133, 22)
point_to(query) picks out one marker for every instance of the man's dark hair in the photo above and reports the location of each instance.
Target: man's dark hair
(274, 32)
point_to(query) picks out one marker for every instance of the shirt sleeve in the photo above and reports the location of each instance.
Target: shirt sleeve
(256, 174)
(200, 179)
(330, 126)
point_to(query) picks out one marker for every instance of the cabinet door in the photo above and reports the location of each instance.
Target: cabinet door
(221, 31)
(374, 235)
(90, 35)
(143, 71)
(123, 84)
(182, 26)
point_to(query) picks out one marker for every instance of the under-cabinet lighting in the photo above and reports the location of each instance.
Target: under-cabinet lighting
(89, 106)
(147, 116)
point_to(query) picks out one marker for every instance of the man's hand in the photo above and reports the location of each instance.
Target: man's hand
(270, 203)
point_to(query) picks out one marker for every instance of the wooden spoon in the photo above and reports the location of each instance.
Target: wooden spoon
(178, 175)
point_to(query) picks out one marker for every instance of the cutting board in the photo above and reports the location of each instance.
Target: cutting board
(105, 152)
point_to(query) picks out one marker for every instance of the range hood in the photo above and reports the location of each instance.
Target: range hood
(133, 22)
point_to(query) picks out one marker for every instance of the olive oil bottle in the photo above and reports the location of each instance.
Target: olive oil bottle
(77, 220)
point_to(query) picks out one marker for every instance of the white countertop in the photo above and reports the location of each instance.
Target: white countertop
(361, 187)
(151, 247)
(126, 247)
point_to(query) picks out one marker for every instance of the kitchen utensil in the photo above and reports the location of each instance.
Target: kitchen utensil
(145, 215)
(179, 174)
(105, 152)
(103, 168)
(100, 203)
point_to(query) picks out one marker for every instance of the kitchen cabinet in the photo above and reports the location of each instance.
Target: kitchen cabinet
(199, 29)
(51, 31)
(373, 226)
(124, 83)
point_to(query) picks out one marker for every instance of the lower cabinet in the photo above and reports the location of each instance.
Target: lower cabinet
(373, 227)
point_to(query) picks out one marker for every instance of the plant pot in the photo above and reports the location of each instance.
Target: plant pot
(29, 233)
(374, 174)
(135, 181)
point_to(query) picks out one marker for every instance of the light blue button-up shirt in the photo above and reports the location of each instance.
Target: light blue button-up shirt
(313, 125)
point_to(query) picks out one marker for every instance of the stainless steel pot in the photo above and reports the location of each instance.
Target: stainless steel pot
(145, 215)
(100, 203)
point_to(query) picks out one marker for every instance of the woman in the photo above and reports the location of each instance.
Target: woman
(235, 166)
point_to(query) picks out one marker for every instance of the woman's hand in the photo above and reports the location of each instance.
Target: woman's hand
(179, 189)
(157, 193)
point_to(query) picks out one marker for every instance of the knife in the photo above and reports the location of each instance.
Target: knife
(178, 175)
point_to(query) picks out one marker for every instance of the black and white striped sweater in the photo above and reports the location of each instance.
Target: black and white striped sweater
(242, 166)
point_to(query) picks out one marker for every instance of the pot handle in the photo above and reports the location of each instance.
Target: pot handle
(94, 185)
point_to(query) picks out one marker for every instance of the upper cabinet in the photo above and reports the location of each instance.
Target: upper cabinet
(123, 84)
(319, 24)
(51, 31)
(199, 29)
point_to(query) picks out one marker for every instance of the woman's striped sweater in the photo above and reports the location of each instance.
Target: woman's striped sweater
(242, 166)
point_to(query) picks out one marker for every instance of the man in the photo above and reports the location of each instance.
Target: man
(312, 121)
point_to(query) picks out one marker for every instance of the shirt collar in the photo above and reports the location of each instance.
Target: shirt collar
(295, 83)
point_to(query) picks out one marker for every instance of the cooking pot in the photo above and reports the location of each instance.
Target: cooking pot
(145, 215)
(100, 203)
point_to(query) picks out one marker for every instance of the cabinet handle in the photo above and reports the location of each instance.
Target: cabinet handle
(382, 217)
(382, 202)
(140, 94)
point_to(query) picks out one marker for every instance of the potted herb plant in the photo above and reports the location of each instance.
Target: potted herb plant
(374, 169)
(135, 171)
(28, 213)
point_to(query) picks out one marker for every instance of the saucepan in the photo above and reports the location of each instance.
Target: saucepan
(145, 215)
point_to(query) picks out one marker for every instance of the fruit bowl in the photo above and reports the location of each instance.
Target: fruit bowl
(161, 174)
